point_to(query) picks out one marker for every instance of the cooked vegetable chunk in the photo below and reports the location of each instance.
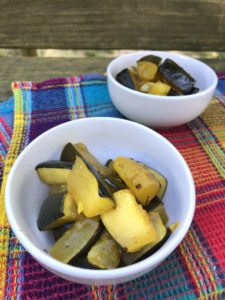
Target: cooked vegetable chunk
(130, 258)
(56, 210)
(108, 182)
(129, 223)
(176, 76)
(105, 253)
(159, 88)
(148, 66)
(83, 187)
(59, 231)
(162, 180)
(57, 189)
(54, 172)
(70, 151)
(156, 78)
(140, 180)
(125, 78)
(76, 240)
(156, 205)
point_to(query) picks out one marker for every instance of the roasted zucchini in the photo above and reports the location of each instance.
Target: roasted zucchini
(56, 210)
(147, 67)
(162, 180)
(108, 182)
(77, 240)
(83, 187)
(162, 236)
(57, 189)
(139, 179)
(129, 223)
(176, 76)
(105, 253)
(125, 78)
(54, 172)
(156, 205)
(157, 77)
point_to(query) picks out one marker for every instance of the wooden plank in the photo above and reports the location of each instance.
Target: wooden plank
(105, 24)
(39, 69)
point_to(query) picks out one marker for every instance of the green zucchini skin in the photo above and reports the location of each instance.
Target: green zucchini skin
(125, 79)
(129, 258)
(51, 210)
(54, 172)
(105, 253)
(162, 179)
(55, 164)
(108, 183)
(77, 240)
(151, 58)
(176, 76)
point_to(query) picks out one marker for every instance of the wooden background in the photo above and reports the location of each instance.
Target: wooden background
(196, 25)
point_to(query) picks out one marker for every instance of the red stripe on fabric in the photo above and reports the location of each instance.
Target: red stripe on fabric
(3, 140)
(8, 130)
(211, 220)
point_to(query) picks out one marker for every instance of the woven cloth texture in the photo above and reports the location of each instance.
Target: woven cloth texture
(195, 270)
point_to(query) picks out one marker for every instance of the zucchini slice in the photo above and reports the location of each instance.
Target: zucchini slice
(139, 179)
(156, 205)
(159, 88)
(125, 78)
(176, 76)
(83, 187)
(56, 210)
(162, 235)
(108, 182)
(129, 224)
(59, 231)
(105, 253)
(57, 189)
(147, 67)
(54, 172)
(162, 179)
(77, 240)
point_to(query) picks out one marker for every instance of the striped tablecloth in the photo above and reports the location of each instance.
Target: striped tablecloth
(195, 270)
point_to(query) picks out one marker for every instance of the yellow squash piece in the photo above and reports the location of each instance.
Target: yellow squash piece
(159, 88)
(105, 253)
(129, 224)
(83, 187)
(147, 70)
(140, 180)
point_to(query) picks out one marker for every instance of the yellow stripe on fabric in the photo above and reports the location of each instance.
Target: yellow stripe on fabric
(204, 132)
(214, 117)
(10, 158)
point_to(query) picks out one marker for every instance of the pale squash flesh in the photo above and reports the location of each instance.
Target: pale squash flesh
(83, 187)
(140, 180)
(129, 224)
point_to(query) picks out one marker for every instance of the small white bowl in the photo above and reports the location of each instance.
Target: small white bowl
(106, 138)
(161, 111)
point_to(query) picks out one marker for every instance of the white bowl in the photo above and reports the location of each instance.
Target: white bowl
(106, 138)
(161, 111)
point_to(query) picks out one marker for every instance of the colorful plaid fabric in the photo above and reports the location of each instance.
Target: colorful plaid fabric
(195, 270)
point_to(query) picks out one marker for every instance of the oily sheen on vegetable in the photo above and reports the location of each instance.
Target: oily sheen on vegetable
(153, 76)
(102, 216)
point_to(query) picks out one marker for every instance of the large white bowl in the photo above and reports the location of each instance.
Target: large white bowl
(161, 111)
(106, 138)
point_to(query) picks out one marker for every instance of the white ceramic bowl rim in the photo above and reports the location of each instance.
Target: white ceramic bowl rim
(54, 264)
(163, 98)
